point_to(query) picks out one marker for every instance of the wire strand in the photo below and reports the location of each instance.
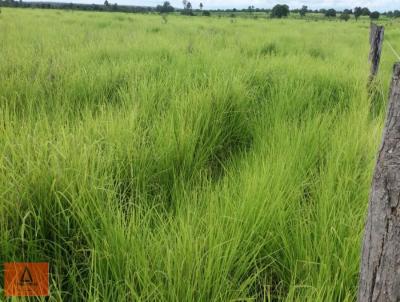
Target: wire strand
(393, 50)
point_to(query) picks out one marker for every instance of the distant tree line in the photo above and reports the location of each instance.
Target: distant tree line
(282, 10)
(78, 6)
(278, 11)
(165, 8)
(393, 14)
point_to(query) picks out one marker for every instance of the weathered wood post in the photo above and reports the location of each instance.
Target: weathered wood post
(380, 260)
(375, 41)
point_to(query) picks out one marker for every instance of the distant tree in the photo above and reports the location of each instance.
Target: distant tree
(106, 4)
(115, 6)
(330, 13)
(344, 17)
(201, 6)
(396, 14)
(206, 13)
(279, 11)
(357, 12)
(390, 14)
(303, 10)
(365, 11)
(348, 11)
(374, 15)
(187, 8)
(165, 8)
(322, 11)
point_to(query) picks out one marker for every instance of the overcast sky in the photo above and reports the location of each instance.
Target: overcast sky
(380, 5)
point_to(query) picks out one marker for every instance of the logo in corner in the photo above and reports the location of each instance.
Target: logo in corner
(26, 279)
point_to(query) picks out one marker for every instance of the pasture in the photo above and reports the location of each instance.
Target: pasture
(197, 159)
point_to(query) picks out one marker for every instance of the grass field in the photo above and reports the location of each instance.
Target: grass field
(195, 160)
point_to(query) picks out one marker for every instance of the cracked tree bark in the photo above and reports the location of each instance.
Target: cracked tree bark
(380, 260)
(375, 41)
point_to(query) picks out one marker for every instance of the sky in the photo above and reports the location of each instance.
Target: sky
(379, 5)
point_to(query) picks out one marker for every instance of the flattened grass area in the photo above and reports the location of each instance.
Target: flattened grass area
(197, 160)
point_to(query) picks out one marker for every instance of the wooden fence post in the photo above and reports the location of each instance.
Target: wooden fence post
(380, 260)
(375, 41)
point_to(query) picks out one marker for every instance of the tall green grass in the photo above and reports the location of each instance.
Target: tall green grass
(198, 160)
